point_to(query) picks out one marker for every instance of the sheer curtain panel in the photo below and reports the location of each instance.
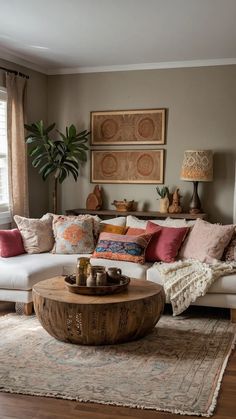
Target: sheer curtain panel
(17, 152)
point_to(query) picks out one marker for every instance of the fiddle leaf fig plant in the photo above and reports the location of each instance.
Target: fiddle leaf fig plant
(61, 157)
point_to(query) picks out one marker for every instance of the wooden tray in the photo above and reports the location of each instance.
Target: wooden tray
(110, 288)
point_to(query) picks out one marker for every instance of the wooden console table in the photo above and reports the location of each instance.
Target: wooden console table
(141, 214)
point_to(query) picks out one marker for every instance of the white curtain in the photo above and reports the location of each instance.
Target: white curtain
(17, 152)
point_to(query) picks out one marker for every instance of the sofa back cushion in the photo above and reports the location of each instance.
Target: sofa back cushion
(165, 243)
(36, 233)
(11, 243)
(122, 247)
(206, 242)
(72, 234)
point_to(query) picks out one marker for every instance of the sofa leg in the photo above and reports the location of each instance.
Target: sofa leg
(233, 315)
(28, 309)
(24, 308)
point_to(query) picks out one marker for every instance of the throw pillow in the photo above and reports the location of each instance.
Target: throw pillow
(230, 251)
(135, 222)
(165, 243)
(206, 242)
(116, 221)
(96, 223)
(178, 222)
(11, 243)
(36, 233)
(135, 231)
(111, 228)
(72, 235)
(122, 247)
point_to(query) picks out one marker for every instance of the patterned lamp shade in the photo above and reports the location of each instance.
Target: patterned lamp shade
(197, 166)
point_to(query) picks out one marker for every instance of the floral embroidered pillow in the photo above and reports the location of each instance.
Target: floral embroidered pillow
(122, 247)
(72, 235)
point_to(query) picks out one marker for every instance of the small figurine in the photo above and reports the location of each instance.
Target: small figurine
(175, 207)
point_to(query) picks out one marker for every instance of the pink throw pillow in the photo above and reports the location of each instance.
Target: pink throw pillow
(165, 244)
(11, 243)
(206, 242)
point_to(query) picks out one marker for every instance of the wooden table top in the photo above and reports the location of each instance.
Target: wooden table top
(55, 289)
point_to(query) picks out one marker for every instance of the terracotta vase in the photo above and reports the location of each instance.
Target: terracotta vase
(164, 204)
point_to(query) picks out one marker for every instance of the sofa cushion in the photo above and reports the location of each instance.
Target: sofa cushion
(122, 247)
(11, 243)
(36, 233)
(165, 243)
(116, 221)
(73, 235)
(206, 242)
(22, 272)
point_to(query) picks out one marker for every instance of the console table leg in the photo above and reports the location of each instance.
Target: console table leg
(233, 315)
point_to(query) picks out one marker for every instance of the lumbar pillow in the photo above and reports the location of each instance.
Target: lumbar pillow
(165, 243)
(117, 221)
(11, 243)
(111, 228)
(72, 235)
(36, 233)
(206, 242)
(122, 247)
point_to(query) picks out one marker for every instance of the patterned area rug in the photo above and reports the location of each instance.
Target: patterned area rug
(177, 368)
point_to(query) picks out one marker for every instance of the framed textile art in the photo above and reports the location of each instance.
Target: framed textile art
(128, 127)
(127, 166)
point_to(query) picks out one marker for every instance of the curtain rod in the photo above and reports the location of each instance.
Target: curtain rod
(17, 73)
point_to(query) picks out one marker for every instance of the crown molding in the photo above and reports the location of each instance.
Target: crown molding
(17, 59)
(145, 66)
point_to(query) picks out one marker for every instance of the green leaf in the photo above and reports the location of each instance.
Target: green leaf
(72, 131)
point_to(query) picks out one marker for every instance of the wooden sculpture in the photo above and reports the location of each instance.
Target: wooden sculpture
(175, 207)
(94, 199)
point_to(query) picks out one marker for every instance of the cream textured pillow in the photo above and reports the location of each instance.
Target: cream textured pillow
(135, 222)
(206, 242)
(36, 233)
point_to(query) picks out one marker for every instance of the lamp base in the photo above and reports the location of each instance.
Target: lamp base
(195, 203)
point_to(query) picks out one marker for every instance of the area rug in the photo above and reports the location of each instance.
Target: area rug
(177, 368)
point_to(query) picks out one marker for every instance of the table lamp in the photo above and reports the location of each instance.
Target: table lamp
(197, 167)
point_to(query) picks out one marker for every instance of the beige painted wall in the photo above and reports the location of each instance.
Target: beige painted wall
(200, 106)
(36, 109)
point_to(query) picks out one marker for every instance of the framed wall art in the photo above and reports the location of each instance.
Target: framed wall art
(127, 166)
(128, 127)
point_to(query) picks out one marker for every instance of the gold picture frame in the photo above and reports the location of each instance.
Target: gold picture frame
(127, 166)
(142, 126)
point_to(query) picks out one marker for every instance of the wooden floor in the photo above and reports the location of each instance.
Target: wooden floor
(31, 407)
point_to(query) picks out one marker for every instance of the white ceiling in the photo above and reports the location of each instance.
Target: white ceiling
(66, 36)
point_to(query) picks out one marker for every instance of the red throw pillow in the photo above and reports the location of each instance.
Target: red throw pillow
(165, 244)
(11, 243)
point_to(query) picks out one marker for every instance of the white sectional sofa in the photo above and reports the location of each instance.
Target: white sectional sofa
(19, 274)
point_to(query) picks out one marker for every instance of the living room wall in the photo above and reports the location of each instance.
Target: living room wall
(36, 109)
(200, 105)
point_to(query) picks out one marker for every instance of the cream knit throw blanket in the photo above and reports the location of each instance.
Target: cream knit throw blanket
(185, 281)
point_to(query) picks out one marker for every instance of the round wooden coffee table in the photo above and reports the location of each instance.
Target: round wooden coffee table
(98, 320)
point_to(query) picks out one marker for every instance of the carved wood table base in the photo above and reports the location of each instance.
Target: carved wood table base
(98, 320)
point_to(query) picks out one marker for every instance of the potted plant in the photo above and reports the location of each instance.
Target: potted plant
(60, 157)
(164, 198)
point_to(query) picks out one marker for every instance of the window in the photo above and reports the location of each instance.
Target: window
(4, 194)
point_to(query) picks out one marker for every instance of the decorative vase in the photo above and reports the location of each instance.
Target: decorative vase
(164, 204)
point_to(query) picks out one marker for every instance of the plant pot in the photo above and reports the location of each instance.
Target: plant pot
(164, 205)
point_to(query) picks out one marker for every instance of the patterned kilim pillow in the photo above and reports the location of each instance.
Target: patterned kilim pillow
(73, 235)
(122, 247)
(230, 251)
